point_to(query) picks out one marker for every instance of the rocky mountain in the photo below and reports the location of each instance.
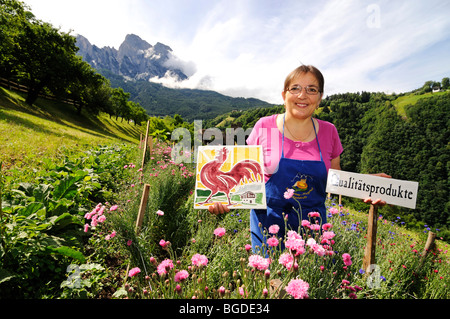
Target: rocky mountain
(136, 59)
(136, 62)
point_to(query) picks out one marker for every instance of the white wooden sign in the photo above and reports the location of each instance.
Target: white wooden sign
(392, 191)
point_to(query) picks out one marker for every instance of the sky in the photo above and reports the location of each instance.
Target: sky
(246, 48)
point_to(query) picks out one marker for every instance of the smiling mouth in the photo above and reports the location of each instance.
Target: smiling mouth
(301, 104)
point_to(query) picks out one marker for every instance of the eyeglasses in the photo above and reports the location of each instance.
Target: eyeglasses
(310, 90)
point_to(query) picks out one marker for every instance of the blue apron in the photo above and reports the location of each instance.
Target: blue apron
(308, 179)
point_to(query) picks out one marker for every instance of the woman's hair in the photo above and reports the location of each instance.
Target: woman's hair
(305, 69)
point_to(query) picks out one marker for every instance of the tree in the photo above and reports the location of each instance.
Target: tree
(119, 101)
(13, 15)
(445, 83)
(86, 87)
(136, 113)
(43, 58)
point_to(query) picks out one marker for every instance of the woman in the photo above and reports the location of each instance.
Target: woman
(298, 151)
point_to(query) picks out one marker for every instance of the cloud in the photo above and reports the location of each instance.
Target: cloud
(187, 67)
(246, 48)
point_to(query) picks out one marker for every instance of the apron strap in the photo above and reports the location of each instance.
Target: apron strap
(315, 132)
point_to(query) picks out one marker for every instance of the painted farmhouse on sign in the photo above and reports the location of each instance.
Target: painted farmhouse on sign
(248, 197)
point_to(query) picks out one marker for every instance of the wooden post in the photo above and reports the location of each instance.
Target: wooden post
(145, 146)
(429, 244)
(142, 207)
(369, 253)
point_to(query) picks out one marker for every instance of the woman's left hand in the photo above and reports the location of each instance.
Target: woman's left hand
(377, 201)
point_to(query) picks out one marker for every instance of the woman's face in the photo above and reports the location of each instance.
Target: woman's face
(303, 105)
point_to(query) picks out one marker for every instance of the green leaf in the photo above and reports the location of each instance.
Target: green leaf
(69, 252)
(5, 275)
(30, 209)
(66, 219)
(67, 187)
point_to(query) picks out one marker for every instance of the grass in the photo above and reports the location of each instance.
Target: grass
(400, 273)
(411, 99)
(50, 129)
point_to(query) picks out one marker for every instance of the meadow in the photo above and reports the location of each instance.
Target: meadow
(185, 253)
(68, 226)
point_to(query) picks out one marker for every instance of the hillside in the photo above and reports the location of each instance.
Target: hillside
(52, 234)
(49, 129)
(191, 104)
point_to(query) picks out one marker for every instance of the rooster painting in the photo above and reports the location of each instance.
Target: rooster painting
(217, 181)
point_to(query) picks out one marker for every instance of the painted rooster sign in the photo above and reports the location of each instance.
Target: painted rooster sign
(232, 175)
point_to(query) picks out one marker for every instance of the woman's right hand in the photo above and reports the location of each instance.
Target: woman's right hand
(218, 208)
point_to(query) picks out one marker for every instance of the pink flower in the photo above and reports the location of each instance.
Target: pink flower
(292, 234)
(163, 243)
(199, 260)
(248, 247)
(113, 208)
(289, 193)
(164, 267)
(305, 223)
(101, 219)
(160, 213)
(313, 214)
(333, 211)
(94, 221)
(112, 235)
(286, 259)
(258, 262)
(296, 246)
(347, 259)
(318, 249)
(242, 292)
(274, 229)
(272, 242)
(181, 275)
(219, 232)
(328, 235)
(327, 226)
(133, 272)
(310, 242)
(298, 288)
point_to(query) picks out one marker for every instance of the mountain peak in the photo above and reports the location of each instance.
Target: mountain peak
(134, 41)
(135, 58)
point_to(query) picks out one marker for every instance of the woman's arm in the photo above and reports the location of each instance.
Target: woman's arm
(336, 163)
